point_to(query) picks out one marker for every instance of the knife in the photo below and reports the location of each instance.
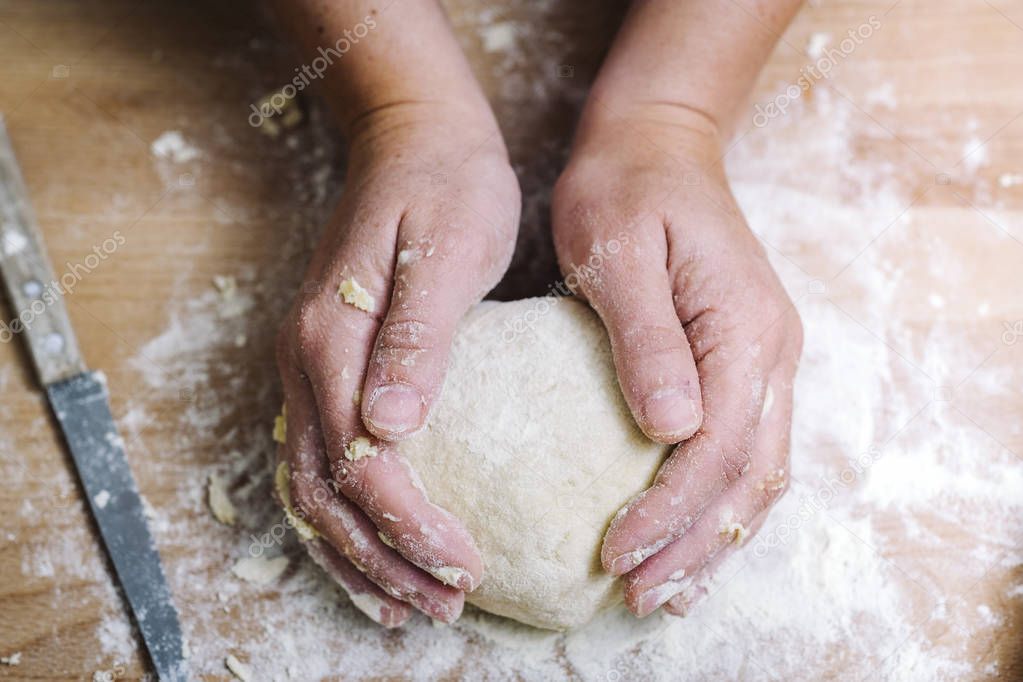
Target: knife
(81, 404)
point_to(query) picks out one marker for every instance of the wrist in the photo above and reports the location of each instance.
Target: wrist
(687, 134)
(426, 128)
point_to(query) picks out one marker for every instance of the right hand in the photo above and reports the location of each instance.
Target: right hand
(427, 226)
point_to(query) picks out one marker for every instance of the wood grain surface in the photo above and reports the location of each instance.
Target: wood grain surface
(87, 86)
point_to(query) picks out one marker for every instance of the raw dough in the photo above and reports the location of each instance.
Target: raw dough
(532, 446)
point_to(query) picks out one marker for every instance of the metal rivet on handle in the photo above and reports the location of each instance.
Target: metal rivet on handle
(53, 343)
(32, 288)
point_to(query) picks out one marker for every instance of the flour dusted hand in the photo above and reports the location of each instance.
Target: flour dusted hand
(425, 227)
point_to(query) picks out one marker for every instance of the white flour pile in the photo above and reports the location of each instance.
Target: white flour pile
(830, 592)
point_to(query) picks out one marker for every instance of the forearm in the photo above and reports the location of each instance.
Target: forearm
(377, 54)
(695, 59)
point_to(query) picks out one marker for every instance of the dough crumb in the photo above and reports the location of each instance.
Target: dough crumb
(449, 575)
(237, 668)
(356, 295)
(359, 448)
(735, 532)
(282, 478)
(226, 285)
(102, 499)
(280, 433)
(258, 570)
(357, 397)
(13, 659)
(386, 540)
(220, 503)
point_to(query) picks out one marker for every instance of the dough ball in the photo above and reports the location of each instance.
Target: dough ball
(532, 446)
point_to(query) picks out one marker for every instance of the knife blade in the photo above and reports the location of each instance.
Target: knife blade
(80, 401)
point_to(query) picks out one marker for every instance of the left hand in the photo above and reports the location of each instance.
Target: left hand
(705, 341)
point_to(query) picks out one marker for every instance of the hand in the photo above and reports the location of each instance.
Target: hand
(705, 341)
(425, 228)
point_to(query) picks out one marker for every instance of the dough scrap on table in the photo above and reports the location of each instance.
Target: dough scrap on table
(220, 503)
(260, 570)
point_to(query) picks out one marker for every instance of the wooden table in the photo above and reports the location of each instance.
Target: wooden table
(87, 87)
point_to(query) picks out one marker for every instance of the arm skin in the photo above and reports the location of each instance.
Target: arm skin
(706, 347)
(425, 251)
(701, 57)
(409, 55)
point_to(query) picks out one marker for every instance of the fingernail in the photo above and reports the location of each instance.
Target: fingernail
(671, 412)
(396, 408)
(628, 561)
(653, 598)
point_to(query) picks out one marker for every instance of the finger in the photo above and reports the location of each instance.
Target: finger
(384, 486)
(734, 378)
(683, 571)
(335, 342)
(730, 520)
(652, 356)
(683, 602)
(364, 595)
(442, 269)
(315, 500)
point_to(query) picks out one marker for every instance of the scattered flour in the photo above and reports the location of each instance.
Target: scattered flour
(815, 46)
(823, 586)
(171, 145)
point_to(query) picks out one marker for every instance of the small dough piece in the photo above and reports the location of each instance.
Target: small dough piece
(532, 446)
(237, 668)
(260, 570)
(282, 484)
(359, 448)
(227, 285)
(280, 433)
(220, 502)
(356, 295)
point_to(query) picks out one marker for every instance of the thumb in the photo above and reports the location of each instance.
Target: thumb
(652, 356)
(436, 281)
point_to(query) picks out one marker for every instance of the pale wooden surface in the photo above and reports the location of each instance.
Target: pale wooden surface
(83, 134)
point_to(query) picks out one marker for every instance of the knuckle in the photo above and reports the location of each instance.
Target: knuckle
(351, 479)
(400, 345)
(653, 341)
(308, 494)
(302, 495)
(771, 488)
(308, 331)
(734, 464)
